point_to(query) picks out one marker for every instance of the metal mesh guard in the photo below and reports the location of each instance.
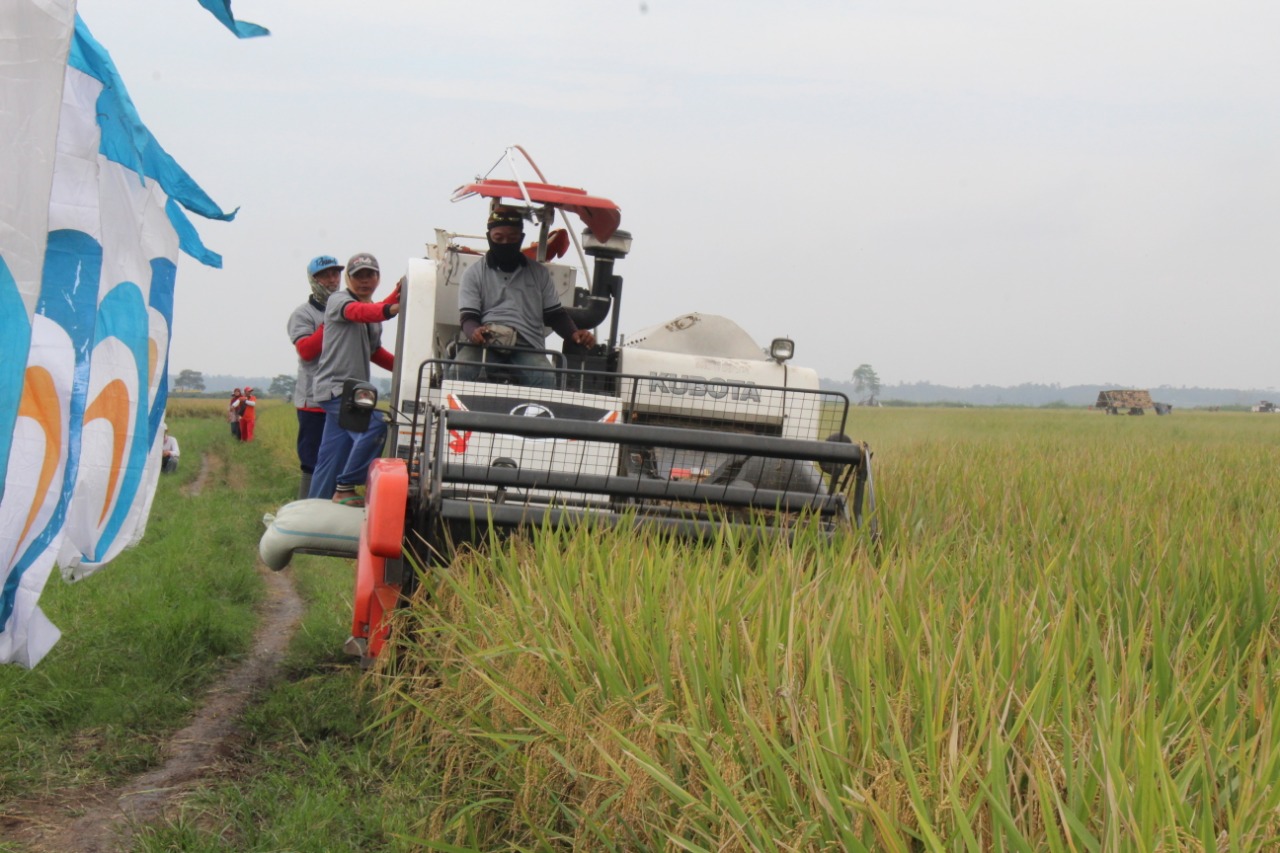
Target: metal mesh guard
(657, 448)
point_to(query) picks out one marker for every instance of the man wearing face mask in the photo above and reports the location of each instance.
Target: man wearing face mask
(505, 301)
(306, 331)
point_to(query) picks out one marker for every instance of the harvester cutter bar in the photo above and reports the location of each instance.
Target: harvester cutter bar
(643, 488)
(518, 515)
(678, 438)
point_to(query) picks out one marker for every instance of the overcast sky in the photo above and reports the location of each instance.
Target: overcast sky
(991, 192)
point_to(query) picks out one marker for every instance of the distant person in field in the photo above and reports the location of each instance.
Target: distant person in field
(248, 414)
(352, 340)
(504, 303)
(306, 332)
(233, 414)
(168, 453)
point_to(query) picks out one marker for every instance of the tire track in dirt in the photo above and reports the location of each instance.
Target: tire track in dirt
(196, 486)
(104, 820)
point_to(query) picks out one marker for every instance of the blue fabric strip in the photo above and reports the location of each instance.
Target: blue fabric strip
(122, 314)
(127, 141)
(69, 297)
(188, 239)
(164, 276)
(15, 340)
(221, 9)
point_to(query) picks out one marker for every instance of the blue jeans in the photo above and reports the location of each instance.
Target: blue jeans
(467, 366)
(310, 431)
(345, 456)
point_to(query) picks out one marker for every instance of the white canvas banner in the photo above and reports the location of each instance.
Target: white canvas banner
(35, 38)
(89, 244)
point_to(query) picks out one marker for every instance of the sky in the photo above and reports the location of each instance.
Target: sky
(990, 192)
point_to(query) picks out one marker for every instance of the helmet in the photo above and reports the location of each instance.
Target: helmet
(321, 263)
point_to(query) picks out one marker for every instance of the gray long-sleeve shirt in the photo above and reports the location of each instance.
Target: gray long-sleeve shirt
(348, 347)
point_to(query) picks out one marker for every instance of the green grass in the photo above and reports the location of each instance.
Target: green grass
(308, 777)
(143, 636)
(1067, 643)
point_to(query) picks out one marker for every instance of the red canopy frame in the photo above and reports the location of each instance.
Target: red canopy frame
(601, 216)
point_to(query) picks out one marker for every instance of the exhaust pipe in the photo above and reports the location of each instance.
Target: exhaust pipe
(590, 308)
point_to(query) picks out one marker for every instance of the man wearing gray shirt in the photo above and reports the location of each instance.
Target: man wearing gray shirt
(306, 332)
(505, 301)
(352, 339)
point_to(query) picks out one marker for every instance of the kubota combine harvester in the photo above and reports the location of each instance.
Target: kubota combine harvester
(683, 426)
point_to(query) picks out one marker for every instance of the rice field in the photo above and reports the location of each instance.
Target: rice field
(1067, 642)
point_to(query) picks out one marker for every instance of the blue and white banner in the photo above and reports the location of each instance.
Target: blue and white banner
(91, 222)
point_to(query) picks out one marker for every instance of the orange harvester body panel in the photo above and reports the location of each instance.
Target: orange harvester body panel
(381, 537)
(386, 497)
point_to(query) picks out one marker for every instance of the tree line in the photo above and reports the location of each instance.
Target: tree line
(192, 381)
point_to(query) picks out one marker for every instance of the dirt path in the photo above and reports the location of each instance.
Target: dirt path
(103, 820)
(196, 486)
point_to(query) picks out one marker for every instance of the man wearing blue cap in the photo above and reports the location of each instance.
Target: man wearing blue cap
(306, 331)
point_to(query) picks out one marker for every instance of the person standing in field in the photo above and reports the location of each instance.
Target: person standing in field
(352, 340)
(233, 414)
(306, 332)
(248, 414)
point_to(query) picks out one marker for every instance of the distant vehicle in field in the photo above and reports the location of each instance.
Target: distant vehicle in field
(1130, 401)
(682, 427)
(1267, 407)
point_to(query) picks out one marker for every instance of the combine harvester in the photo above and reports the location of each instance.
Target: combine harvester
(684, 427)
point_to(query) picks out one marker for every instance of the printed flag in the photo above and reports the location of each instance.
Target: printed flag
(91, 222)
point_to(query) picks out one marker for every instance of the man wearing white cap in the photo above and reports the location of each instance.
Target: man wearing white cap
(168, 452)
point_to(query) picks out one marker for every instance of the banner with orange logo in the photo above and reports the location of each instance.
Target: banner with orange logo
(89, 242)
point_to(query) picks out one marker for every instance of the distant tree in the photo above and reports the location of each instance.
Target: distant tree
(189, 380)
(866, 381)
(282, 386)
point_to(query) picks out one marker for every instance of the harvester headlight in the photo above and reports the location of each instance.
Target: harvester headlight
(617, 246)
(356, 408)
(782, 349)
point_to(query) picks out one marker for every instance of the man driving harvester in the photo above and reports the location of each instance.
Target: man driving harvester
(503, 305)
